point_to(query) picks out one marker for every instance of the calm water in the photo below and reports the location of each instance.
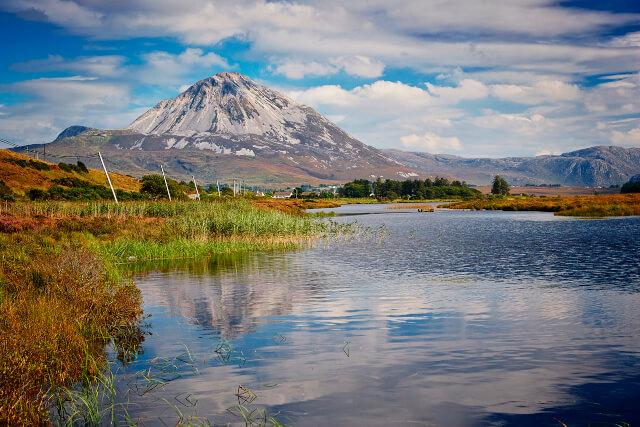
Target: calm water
(453, 319)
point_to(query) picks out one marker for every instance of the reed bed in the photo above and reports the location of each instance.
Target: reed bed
(164, 230)
(584, 206)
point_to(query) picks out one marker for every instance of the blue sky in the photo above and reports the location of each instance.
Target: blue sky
(499, 78)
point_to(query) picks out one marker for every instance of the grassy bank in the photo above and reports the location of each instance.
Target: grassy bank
(61, 296)
(585, 206)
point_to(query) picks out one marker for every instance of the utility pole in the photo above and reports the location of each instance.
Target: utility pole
(44, 154)
(165, 182)
(218, 185)
(195, 185)
(108, 179)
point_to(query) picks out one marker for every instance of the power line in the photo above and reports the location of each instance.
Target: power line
(57, 156)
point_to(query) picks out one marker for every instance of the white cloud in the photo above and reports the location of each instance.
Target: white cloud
(540, 93)
(466, 89)
(517, 123)
(299, 70)
(430, 142)
(357, 65)
(629, 138)
(163, 68)
(546, 152)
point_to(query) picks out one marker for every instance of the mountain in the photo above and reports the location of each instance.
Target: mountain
(227, 126)
(71, 131)
(600, 166)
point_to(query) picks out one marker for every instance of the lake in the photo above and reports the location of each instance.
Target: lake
(448, 318)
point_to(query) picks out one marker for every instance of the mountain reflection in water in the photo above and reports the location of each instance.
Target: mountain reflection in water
(455, 319)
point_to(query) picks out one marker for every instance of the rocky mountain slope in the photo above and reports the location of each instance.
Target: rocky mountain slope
(228, 126)
(600, 166)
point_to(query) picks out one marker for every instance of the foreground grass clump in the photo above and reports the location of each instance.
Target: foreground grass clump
(59, 306)
(587, 206)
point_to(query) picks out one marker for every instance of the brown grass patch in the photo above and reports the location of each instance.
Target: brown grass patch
(59, 306)
(425, 206)
(295, 206)
(593, 206)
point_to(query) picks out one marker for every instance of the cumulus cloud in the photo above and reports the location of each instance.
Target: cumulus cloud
(466, 89)
(629, 138)
(172, 69)
(519, 123)
(541, 92)
(357, 65)
(546, 152)
(430, 142)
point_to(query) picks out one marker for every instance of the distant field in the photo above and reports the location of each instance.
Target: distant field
(555, 191)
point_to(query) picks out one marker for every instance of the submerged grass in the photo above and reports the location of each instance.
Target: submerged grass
(585, 206)
(62, 299)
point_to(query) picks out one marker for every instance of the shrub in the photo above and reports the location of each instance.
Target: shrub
(6, 193)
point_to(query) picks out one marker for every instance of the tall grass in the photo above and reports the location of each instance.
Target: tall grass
(163, 230)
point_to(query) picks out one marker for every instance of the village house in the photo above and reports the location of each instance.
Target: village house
(282, 194)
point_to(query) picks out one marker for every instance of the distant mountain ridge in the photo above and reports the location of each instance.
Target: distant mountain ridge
(228, 126)
(599, 166)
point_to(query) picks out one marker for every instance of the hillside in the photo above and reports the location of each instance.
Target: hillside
(21, 177)
(229, 127)
(600, 166)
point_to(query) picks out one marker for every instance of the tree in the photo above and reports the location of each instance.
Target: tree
(356, 189)
(153, 185)
(500, 186)
(631, 187)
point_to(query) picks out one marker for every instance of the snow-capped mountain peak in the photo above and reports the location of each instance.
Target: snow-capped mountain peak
(228, 103)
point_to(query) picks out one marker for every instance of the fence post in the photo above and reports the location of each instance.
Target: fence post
(195, 185)
(165, 182)
(108, 179)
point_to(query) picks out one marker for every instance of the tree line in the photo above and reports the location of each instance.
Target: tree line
(416, 189)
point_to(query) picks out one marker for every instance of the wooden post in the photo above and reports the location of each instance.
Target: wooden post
(165, 182)
(196, 185)
(108, 179)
